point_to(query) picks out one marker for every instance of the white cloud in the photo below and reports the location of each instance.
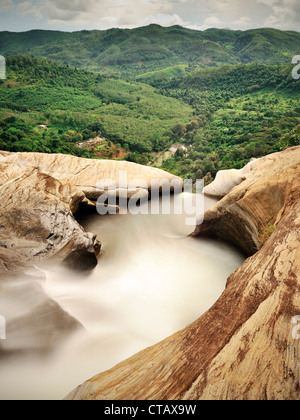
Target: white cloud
(27, 8)
(64, 12)
(245, 14)
(123, 13)
(284, 14)
(243, 22)
(212, 22)
(6, 5)
(164, 20)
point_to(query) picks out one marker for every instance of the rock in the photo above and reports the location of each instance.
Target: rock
(35, 324)
(226, 180)
(257, 203)
(245, 346)
(40, 193)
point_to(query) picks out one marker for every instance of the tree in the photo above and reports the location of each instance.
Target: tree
(179, 130)
(192, 125)
(208, 179)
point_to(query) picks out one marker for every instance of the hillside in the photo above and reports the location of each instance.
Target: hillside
(224, 116)
(243, 112)
(129, 52)
(220, 97)
(76, 106)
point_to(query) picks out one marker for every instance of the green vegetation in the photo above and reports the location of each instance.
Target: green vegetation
(155, 78)
(127, 53)
(243, 112)
(227, 96)
(265, 235)
(77, 105)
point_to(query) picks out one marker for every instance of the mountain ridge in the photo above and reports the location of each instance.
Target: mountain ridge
(128, 52)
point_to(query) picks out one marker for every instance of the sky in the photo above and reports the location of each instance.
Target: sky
(73, 15)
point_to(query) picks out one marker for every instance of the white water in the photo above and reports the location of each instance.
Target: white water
(151, 281)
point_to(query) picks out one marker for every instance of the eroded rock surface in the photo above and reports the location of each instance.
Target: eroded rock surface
(40, 194)
(245, 346)
(226, 180)
(257, 204)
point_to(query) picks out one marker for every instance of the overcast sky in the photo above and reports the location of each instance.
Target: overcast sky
(71, 15)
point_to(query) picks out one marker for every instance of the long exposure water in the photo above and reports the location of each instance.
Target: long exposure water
(151, 281)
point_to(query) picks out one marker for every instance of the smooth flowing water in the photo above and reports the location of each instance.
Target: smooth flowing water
(152, 280)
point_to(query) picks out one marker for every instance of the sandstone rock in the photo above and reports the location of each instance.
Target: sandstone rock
(249, 209)
(226, 180)
(40, 194)
(244, 346)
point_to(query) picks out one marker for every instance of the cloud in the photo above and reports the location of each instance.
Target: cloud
(6, 5)
(68, 11)
(124, 13)
(284, 14)
(26, 8)
(245, 14)
(164, 20)
(243, 22)
(212, 22)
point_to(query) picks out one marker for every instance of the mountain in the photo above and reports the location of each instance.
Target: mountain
(227, 96)
(134, 51)
(244, 111)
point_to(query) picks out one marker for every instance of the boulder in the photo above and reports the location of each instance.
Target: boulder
(246, 346)
(40, 193)
(228, 179)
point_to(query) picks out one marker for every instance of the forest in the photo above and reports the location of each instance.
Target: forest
(127, 53)
(224, 111)
(243, 112)
(76, 105)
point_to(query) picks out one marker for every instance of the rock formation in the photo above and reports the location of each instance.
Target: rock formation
(40, 194)
(226, 180)
(245, 346)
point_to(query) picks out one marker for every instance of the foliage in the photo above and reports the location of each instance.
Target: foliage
(226, 95)
(243, 111)
(77, 105)
(125, 52)
(265, 234)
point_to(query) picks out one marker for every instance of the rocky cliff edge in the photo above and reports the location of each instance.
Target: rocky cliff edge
(247, 345)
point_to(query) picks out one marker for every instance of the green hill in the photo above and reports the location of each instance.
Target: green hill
(131, 52)
(243, 112)
(76, 105)
(226, 95)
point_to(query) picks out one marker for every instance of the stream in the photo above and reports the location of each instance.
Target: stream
(152, 280)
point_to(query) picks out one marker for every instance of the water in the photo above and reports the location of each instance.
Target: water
(152, 280)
